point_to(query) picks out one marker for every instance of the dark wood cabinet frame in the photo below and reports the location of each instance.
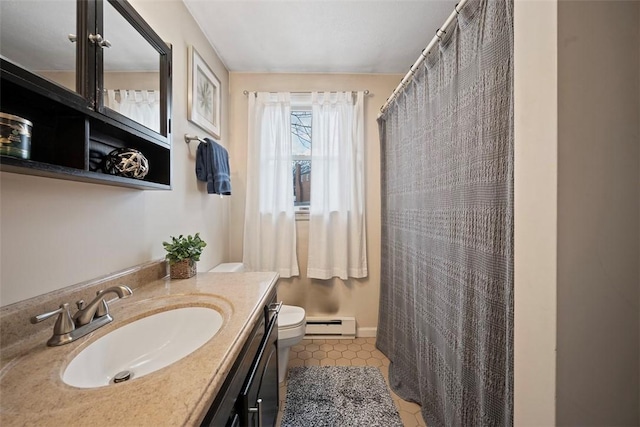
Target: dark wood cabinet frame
(68, 127)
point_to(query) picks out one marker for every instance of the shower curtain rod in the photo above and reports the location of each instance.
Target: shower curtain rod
(366, 92)
(423, 55)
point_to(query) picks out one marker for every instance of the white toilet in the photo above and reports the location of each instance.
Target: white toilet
(291, 329)
(291, 322)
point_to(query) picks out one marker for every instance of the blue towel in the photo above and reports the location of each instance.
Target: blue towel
(212, 166)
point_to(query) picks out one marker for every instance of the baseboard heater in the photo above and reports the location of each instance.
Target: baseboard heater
(331, 327)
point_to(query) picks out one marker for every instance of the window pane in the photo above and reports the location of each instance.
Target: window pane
(301, 182)
(301, 133)
(301, 147)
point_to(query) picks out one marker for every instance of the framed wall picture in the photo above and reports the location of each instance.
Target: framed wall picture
(204, 95)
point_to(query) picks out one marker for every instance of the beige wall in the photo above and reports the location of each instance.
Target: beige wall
(536, 141)
(132, 80)
(598, 150)
(357, 298)
(56, 233)
(576, 247)
(63, 78)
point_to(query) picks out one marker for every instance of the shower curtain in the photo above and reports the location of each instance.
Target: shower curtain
(446, 298)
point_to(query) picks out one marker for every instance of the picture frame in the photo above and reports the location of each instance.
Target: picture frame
(204, 96)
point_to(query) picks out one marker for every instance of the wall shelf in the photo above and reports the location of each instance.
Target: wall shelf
(72, 131)
(29, 167)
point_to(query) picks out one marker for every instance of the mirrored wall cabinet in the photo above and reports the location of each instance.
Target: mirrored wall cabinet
(80, 80)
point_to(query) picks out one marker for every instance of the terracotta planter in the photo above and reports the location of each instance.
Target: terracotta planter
(182, 269)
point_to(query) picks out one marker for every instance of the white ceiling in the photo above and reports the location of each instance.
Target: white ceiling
(324, 36)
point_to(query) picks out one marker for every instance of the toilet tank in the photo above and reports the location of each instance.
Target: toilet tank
(228, 267)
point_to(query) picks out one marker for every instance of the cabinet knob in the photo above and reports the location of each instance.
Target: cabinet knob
(72, 38)
(97, 39)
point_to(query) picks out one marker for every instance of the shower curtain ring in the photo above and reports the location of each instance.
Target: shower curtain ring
(456, 9)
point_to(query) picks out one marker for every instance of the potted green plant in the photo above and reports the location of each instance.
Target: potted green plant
(182, 254)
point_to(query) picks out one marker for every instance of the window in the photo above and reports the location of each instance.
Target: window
(301, 153)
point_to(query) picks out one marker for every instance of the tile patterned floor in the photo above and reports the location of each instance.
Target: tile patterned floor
(355, 352)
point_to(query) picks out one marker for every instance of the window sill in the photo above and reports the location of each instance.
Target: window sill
(302, 215)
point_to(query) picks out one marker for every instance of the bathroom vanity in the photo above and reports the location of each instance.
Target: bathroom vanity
(230, 380)
(249, 395)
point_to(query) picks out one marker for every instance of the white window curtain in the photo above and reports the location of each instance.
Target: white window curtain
(269, 226)
(143, 106)
(337, 238)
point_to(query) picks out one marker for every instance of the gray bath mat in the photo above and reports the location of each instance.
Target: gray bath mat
(338, 396)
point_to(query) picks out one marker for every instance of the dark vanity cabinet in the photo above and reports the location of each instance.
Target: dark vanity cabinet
(258, 400)
(91, 76)
(249, 395)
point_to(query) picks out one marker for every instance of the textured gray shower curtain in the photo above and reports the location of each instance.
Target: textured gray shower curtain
(446, 303)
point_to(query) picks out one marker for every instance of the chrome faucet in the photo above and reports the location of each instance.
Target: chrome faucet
(86, 320)
(98, 307)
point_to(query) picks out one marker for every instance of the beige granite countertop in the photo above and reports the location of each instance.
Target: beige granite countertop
(32, 391)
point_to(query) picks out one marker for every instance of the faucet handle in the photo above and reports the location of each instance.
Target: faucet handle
(63, 325)
(44, 316)
(103, 309)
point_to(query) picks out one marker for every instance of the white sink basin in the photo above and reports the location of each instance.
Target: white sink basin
(143, 347)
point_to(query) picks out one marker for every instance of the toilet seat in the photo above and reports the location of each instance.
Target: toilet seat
(290, 317)
(291, 324)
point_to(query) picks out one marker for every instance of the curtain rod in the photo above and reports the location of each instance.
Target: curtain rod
(423, 55)
(366, 92)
